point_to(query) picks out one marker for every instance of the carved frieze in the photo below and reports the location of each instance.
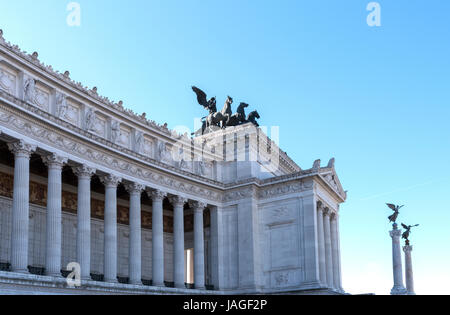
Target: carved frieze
(281, 189)
(88, 153)
(8, 81)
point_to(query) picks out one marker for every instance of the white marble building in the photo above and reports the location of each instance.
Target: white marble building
(146, 211)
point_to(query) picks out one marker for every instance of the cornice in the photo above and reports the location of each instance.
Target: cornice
(84, 91)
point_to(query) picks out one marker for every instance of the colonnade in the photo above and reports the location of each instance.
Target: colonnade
(20, 221)
(328, 247)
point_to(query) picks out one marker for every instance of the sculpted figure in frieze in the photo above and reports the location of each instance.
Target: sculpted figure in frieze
(115, 131)
(90, 119)
(163, 152)
(61, 105)
(29, 89)
(138, 141)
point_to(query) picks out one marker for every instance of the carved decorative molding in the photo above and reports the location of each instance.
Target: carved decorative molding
(54, 160)
(57, 140)
(156, 194)
(178, 201)
(22, 148)
(83, 171)
(197, 205)
(110, 180)
(134, 188)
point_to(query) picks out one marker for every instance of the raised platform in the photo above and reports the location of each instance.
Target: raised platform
(28, 284)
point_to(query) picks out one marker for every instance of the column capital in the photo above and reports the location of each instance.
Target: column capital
(110, 180)
(83, 170)
(54, 161)
(327, 212)
(334, 216)
(395, 233)
(178, 200)
(156, 194)
(197, 205)
(407, 248)
(20, 147)
(134, 188)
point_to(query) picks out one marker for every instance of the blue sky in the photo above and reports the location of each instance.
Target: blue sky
(375, 98)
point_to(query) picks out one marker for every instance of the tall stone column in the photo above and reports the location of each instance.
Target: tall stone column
(217, 248)
(135, 251)
(178, 240)
(84, 174)
(328, 250)
(335, 251)
(398, 288)
(110, 256)
(199, 245)
(409, 270)
(157, 237)
(54, 216)
(20, 209)
(321, 243)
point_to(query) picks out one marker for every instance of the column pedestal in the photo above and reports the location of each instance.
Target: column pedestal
(84, 174)
(157, 238)
(178, 241)
(21, 207)
(199, 246)
(398, 288)
(409, 270)
(110, 256)
(54, 215)
(135, 253)
(328, 249)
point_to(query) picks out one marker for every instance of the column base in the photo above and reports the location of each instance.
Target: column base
(180, 286)
(398, 290)
(162, 285)
(111, 281)
(135, 282)
(54, 275)
(22, 271)
(200, 287)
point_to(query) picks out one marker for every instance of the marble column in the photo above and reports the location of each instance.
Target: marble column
(328, 250)
(20, 209)
(53, 242)
(217, 241)
(84, 174)
(398, 288)
(199, 245)
(110, 240)
(157, 238)
(321, 243)
(409, 270)
(335, 251)
(178, 240)
(135, 250)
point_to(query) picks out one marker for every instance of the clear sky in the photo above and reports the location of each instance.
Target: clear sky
(375, 98)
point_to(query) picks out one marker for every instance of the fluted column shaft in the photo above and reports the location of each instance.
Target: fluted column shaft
(328, 250)
(409, 270)
(335, 251)
(178, 241)
(135, 254)
(398, 288)
(157, 238)
(199, 246)
(20, 209)
(84, 174)
(321, 243)
(110, 256)
(54, 215)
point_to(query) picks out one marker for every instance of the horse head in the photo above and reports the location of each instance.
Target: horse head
(255, 114)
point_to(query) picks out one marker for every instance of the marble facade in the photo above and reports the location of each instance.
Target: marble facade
(82, 179)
